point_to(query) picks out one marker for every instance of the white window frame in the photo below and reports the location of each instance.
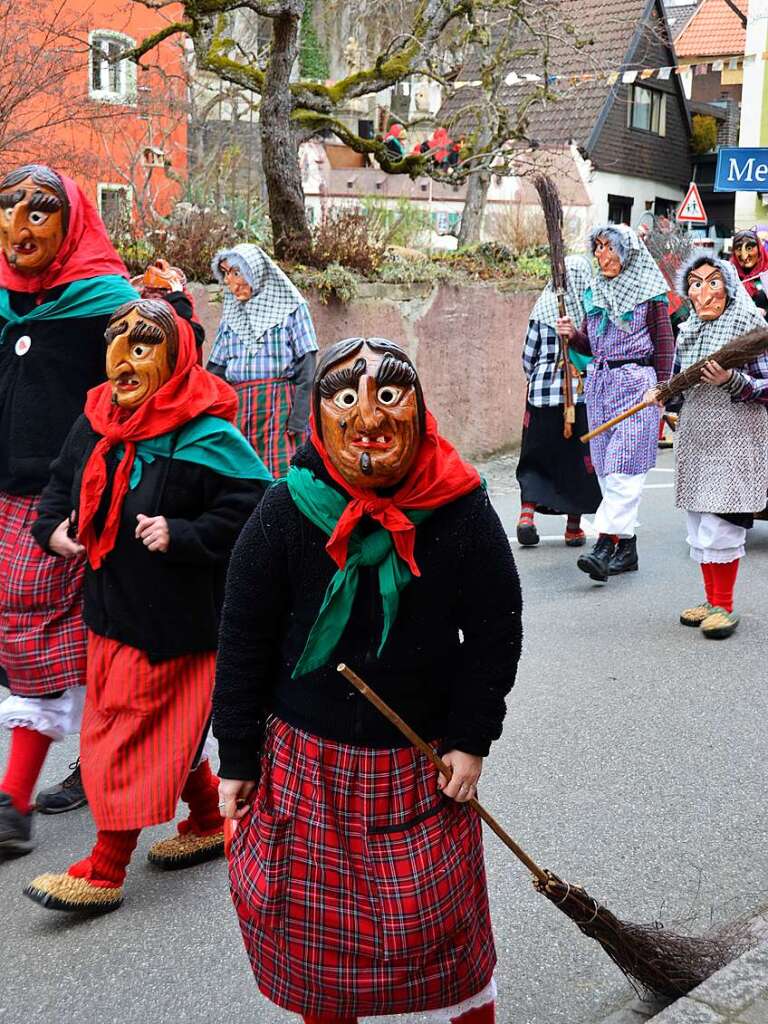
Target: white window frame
(126, 69)
(105, 186)
(658, 111)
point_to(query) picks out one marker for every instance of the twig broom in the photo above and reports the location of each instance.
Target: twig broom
(737, 352)
(659, 960)
(553, 218)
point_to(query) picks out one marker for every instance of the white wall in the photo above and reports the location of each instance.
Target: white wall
(601, 184)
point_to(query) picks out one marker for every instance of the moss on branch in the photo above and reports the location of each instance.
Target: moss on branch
(135, 53)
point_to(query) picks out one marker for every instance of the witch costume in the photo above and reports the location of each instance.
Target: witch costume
(750, 259)
(172, 461)
(360, 889)
(722, 442)
(60, 279)
(628, 332)
(265, 348)
(555, 473)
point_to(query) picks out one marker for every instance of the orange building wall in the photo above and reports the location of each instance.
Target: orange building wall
(104, 142)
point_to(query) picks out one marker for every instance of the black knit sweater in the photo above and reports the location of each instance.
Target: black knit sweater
(166, 604)
(445, 688)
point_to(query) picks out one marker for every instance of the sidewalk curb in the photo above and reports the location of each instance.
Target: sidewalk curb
(737, 994)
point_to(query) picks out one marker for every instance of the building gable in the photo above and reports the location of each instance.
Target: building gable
(615, 146)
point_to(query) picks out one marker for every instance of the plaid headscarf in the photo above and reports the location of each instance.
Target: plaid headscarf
(578, 276)
(640, 280)
(698, 338)
(274, 296)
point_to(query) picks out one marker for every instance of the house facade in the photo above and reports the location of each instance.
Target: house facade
(628, 123)
(123, 131)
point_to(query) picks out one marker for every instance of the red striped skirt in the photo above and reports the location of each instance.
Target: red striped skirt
(43, 640)
(142, 727)
(264, 408)
(359, 889)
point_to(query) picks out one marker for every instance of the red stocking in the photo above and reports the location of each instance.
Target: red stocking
(706, 572)
(105, 867)
(481, 1015)
(201, 792)
(723, 582)
(28, 752)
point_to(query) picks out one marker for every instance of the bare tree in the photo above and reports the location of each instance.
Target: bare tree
(43, 54)
(291, 111)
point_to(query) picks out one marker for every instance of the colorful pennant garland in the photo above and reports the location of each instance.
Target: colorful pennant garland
(631, 75)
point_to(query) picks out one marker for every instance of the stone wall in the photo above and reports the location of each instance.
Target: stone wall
(466, 342)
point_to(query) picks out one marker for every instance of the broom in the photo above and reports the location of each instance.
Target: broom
(659, 960)
(737, 352)
(553, 217)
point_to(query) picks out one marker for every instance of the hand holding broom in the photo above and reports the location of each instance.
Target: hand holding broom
(736, 353)
(660, 960)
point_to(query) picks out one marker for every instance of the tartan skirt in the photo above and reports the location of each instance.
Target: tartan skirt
(359, 889)
(142, 727)
(263, 410)
(43, 640)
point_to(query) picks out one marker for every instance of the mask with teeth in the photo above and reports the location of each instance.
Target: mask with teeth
(142, 342)
(33, 213)
(370, 414)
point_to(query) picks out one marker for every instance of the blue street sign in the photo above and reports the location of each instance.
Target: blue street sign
(742, 170)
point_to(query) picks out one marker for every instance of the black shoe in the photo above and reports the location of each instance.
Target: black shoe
(595, 564)
(15, 828)
(624, 557)
(68, 795)
(527, 534)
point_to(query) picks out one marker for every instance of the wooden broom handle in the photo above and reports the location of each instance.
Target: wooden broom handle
(616, 419)
(569, 410)
(441, 766)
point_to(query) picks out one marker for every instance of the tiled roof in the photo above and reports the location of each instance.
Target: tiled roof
(603, 33)
(713, 31)
(678, 17)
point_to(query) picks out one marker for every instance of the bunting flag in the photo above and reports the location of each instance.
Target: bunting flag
(627, 76)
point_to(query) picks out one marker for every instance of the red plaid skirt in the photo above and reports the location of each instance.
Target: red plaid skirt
(264, 408)
(360, 890)
(142, 727)
(42, 634)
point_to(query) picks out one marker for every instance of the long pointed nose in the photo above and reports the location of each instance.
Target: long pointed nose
(369, 414)
(19, 223)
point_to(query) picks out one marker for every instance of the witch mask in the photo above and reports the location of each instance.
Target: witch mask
(371, 411)
(707, 291)
(33, 217)
(142, 343)
(607, 258)
(746, 249)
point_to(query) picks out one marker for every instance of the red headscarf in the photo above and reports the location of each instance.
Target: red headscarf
(438, 476)
(85, 252)
(189, 392)
(748, 277)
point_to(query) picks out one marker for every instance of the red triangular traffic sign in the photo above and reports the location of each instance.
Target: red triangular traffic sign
(691, 210)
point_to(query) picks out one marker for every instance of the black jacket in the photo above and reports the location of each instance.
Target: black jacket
(442, 687)
(164, 604)
(42, 392)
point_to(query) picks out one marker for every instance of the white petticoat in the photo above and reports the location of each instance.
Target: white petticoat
(56, 717)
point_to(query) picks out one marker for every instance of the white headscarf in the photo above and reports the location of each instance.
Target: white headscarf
(274, 296)
(699, 338)
(640, 280)
(578, 276)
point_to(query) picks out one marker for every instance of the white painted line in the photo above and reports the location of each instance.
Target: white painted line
(656, 487)
(660, 469)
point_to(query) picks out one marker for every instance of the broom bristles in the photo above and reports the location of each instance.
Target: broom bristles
(650, 956)
(736, 353)
(553, 218)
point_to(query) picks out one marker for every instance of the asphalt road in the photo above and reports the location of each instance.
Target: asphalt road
(632, 761)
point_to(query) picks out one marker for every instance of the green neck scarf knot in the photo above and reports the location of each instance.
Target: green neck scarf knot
(323, 506)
